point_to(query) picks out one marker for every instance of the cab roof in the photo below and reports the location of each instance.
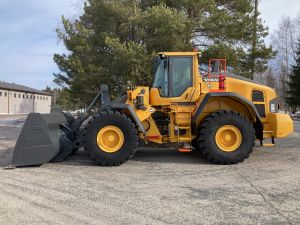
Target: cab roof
(178, 53)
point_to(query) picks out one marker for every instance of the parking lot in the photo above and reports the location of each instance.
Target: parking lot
(158, 186)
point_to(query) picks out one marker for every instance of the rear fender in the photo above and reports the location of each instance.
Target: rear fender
(227, 101)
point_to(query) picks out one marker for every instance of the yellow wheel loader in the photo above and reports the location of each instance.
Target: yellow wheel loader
(214, 112)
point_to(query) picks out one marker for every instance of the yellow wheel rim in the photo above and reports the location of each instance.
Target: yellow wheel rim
(110, 139)
(228, 138)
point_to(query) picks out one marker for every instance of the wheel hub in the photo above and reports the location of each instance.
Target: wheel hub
(228, 138)
(110, 139)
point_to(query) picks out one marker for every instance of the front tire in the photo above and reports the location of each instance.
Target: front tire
(195, 145)
(110, 138)
(226, 137)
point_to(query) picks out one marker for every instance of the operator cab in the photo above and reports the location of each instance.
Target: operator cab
(174, 76)
(177, 78)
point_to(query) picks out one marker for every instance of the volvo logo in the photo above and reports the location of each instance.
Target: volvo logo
(211, 79)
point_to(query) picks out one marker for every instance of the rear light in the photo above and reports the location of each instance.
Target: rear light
(274, 105)
(272, 108)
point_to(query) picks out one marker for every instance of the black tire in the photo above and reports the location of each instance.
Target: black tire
(207, 137)
(128, 129)
(195, 145)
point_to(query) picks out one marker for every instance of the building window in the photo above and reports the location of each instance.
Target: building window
(47, 98)
(5, 94)
(26, 96)
(23, 96)
(19, 95)
(15, 95)
(0, 93)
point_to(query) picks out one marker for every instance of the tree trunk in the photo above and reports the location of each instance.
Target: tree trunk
(254, 39)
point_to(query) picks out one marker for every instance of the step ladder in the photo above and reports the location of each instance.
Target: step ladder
(187, 128)
(272, 139)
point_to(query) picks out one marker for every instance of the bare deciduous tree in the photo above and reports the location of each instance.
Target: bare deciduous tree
(284, 42)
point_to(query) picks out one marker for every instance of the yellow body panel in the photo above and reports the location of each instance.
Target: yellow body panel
(153, 133)
(281, 124)
(225, 103)
(132, 95)
(244, 88)
(144, 115)
(179, 54)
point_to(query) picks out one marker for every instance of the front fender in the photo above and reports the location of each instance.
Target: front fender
(131, 113)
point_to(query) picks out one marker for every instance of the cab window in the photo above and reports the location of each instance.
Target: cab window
(180, 74)
(161, 78)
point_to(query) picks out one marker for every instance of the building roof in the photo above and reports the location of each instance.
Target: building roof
(17, 87)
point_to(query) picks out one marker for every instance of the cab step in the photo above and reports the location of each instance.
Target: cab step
(184, 139)
(184, 127)
(184, 150)
(268, 144)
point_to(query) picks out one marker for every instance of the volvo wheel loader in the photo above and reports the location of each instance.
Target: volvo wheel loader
(216, 113)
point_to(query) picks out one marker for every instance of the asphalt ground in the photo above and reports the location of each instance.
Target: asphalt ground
(158, 186)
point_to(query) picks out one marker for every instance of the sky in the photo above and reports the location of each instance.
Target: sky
(273, 10)
(28, 39)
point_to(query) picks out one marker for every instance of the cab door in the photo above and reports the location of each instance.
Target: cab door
(181, 90)
(174, 81)
(180, 78)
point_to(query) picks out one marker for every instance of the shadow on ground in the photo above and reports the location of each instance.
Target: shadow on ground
(149, 155)
(168, 155)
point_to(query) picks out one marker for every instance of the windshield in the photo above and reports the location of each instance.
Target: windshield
(161, 77)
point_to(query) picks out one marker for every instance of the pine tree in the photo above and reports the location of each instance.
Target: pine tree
(114, 41)
(293, 94)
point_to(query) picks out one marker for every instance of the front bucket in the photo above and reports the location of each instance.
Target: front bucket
(41, 140)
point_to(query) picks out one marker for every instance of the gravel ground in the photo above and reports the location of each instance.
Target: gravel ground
(158, 186)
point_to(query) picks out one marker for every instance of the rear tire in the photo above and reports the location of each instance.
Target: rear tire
(226, 148)
(110, 155)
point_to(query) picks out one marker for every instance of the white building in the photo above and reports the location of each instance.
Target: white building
(18, 99)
